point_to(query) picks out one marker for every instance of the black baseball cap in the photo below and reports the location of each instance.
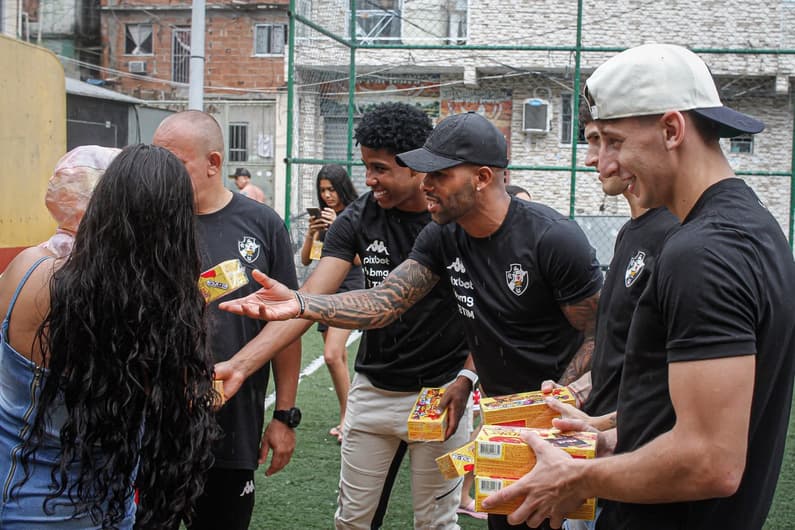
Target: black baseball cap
(240, 172)
(467, 138)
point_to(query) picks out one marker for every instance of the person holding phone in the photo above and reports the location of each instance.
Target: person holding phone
(334, 192)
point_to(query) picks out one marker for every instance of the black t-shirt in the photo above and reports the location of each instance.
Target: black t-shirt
(426, 345)
(509, 288)
(723, 287)
(638, 245)
(256, 235)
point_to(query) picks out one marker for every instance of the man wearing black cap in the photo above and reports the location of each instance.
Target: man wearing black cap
(524, 277)
(707, 382)
(243, 182)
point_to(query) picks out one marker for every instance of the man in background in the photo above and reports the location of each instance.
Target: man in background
(243, 182)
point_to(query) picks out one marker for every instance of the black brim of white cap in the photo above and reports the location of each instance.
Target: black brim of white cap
(425, 161)
(731, 122)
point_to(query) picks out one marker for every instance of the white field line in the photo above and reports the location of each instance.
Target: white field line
(312, 368)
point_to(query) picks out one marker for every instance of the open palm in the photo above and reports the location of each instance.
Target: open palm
(275, 301)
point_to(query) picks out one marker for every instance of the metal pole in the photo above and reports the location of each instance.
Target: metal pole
(575, 113)
(288, 170)
(351, 84)
(792, 179)
(196, 87)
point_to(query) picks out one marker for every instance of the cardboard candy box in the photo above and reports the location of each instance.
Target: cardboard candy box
(458, 462)
(501, 452)
(222, 279)
(526, 409)
(485, 486)
(424, 424)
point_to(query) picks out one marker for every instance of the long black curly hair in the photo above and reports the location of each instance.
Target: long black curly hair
(124, 343)
(396, 127)
(342, 183)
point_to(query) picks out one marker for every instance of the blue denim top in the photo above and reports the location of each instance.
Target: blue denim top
(22, 508)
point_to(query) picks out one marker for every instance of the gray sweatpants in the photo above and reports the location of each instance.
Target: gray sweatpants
(374, 442)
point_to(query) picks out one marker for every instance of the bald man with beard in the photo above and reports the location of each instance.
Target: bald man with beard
(232, 226)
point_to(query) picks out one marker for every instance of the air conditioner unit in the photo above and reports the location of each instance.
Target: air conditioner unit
(536, 116)
(137, 67)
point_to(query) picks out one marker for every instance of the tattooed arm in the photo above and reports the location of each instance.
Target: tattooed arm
(408, 283)
(581, 316)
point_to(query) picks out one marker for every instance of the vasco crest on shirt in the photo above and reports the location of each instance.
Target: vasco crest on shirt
(516, 277)
(248, 248)
(635, 267)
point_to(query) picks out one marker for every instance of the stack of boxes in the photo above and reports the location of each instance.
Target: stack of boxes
(498, 455)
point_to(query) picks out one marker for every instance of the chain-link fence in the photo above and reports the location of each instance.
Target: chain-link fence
(522, 64)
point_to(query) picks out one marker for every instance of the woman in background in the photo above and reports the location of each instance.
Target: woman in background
(335, 191)
(105, 380)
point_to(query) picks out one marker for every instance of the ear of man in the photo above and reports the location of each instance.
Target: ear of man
(483, 177)
(215, 159)
(674, 128)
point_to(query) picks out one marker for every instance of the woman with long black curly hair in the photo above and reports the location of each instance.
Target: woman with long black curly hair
(105, 380)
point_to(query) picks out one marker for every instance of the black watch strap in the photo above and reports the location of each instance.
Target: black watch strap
(290, 417)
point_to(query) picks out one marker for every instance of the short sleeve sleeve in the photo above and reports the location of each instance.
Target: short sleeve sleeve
(340, 240)
(707, 300)
(426, 250)
(568, 262)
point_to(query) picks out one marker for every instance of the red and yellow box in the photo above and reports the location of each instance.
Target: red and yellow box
(424, 424)
(501, 452)
(526, 409)
(485, 486)
(457, 463)
(222, 279)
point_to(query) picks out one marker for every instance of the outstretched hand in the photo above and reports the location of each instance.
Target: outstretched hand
(275, 301)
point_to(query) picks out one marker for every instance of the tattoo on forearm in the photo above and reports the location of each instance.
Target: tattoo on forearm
(580, 363)
(376, 307)
(582, 316)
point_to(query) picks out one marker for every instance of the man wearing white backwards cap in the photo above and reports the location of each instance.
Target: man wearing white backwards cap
(707, 383)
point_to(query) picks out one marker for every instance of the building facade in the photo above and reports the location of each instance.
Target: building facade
(146, 54)
(523, 78)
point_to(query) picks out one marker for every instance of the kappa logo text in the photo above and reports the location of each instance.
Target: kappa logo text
(378, 246)
(248, 489)
(457, 266)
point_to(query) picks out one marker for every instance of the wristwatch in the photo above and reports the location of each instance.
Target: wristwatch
(290, 417)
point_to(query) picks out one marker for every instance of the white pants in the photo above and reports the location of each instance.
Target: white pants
(374, 442)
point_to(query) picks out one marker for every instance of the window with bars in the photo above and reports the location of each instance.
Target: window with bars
(566, 119)
(180, 55)
(378, 21)
(742, 144)
(269, 39)
(238, 142)
(138, 39)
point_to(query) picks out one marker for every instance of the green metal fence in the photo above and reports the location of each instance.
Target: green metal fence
(338, 58)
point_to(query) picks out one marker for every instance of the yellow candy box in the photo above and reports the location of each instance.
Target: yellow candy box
(526, 409)
(501, 452)
(485, 486)
(424, 424)
(222, 279)
(458, 462)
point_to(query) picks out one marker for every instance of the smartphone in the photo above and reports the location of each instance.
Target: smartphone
(313, 212)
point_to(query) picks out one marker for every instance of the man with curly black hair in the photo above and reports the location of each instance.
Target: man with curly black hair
(396, 361)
